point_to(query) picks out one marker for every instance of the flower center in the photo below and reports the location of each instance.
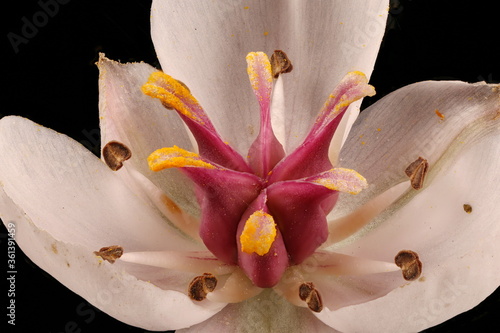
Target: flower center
(268, 212)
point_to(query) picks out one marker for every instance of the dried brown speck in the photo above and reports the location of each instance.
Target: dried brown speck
(114, 154)
(280, 63)
(110, 253)
(467, 208)
(54, 248)
(417, 171)
(201, 285)
(309, 294)
(410, 264)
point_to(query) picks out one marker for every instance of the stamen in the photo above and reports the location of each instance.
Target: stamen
(309, 294)
(410, 264)
(341, 180)
(114, 154)
(180, 261)
(110, 253)
(280, 63)
(332, 263)
(258, 234)
(237, 288)
(417, 171)
(346, 226)
(175, 157)
(278, 111)
(201, 286)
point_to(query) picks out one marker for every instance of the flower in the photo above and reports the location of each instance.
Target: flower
(380, 156)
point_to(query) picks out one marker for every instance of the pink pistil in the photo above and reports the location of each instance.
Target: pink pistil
(297, 190)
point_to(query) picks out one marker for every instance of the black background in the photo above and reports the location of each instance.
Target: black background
(52, 79)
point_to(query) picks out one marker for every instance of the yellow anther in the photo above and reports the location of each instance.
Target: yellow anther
(258, 234)
(172, 93)
(175, 157)
(343, 180)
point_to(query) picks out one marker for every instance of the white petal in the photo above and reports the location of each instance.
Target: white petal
(266, 312)
(75, 197)
(204, 44)
(106, 286)
(142, 124)
(458, 250)
(404, 125)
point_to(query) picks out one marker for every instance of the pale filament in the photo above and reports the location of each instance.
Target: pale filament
(278, 111)
(237, 288)
(185, 222)
(331, 263)
(289, 286)
(342, 131)
(327, 264)
(348, 225)
(193, 262)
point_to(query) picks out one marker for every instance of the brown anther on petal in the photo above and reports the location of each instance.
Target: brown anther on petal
(280, 63)
(114, 154)
(417, 171)
(467, 208)
(410, 264)
(309, 294)
(110, 253)
(201, 285)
